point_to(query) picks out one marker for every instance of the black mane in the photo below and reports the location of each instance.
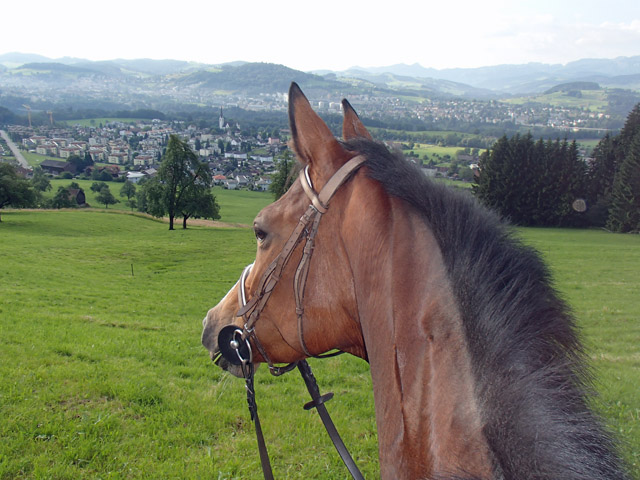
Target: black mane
(533, 401)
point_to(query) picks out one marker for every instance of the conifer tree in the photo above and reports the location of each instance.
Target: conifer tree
(624, 214)
(600, 174)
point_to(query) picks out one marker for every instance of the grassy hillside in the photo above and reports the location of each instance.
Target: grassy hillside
(102, 374)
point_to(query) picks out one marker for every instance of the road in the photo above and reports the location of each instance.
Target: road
(16, 152)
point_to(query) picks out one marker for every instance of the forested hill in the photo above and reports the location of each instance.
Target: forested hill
(255, 78)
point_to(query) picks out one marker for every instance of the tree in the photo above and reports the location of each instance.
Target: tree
(624, 214)
(97, 186)
(630, 129)
(149, 197)
(199, 202)
(40, 181)
(62, 199)
(182, 179)
(129, 190)
(15, 191)
(600, 174)
(283, 178)
(105, 197)
(101, 175)
(80, 163)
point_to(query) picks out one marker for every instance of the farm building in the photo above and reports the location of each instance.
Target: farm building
(56, 167)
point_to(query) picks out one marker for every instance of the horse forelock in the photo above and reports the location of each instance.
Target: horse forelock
(529, 367)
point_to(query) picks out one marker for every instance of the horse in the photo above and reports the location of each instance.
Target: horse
(476, 364)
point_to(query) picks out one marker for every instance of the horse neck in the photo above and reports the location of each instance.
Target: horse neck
(427, 416)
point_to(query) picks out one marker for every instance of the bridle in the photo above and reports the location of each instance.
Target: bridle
(235, 343)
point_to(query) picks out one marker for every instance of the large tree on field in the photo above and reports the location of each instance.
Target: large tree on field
(15, 191)
(183, 179)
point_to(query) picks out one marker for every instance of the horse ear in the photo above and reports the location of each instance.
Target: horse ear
(312, 140)
(352, 127)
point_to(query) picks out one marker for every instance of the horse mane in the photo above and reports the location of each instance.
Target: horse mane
(534, 400)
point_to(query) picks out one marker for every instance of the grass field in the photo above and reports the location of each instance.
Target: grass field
(593, 100)
(34, 159)
(102, 375)
(236, 206)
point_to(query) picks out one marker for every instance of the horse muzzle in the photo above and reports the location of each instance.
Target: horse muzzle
(217, 318)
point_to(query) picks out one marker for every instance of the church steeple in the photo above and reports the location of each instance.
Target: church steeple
(221, 120)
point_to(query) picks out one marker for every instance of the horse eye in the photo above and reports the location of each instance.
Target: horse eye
(260, 234)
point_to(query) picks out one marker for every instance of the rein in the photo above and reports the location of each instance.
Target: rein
(235, 343)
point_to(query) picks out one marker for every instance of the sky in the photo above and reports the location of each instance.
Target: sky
(326, 34)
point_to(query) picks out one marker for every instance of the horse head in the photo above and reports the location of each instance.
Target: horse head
(329, 316)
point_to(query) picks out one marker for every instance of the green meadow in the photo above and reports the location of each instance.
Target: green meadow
(593, 100)
(102, 374)
(239, 206)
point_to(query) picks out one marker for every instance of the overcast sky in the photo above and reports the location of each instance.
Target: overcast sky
(326, 34)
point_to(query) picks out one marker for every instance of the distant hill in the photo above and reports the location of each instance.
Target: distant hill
(58, 68)
(524, 78)
(15, 59)
(425, 85)
(256, 78)
(574, 86)
(157, 67)
(625, 81)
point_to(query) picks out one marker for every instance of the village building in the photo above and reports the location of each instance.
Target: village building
(143, 160)
(118, 158)
(47, 149)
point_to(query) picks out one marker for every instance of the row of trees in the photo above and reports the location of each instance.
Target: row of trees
(547, 184)
(532, 182)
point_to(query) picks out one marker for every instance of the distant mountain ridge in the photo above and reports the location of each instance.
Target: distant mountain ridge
(480, 82)
(525, 78)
